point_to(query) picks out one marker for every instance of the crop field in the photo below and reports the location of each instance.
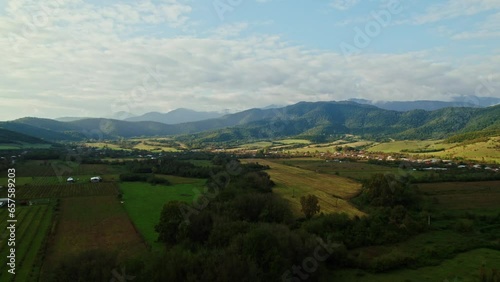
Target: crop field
(464, 195)
(89, 223)
(144, 202)
(481, 151)
(354, 170)
(293, 141)
(155, 147)
(66, 190)
(410, 145)
(329, 147)
(103, 145)
(488, 151)
(332, 191)
(32, 227)
(463, 267)
(60, 168)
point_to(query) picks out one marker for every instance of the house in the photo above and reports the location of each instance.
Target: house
(95, 179)
(70, 180)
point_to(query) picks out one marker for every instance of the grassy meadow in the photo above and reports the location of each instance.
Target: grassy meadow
(144, 202)
(292, 183)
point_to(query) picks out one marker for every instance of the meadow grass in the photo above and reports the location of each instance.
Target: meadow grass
(292, 183)
(144, 202)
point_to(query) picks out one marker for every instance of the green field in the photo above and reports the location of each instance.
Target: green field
(31, 230)
(88, 223)
(487, 151)
(144, 202)
(22, 146)
(292, 183)
(464, 267)
(292, 141)
(64, 169)
(329, 147)
(358, 171)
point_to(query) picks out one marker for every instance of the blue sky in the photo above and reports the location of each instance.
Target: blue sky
(95, 58)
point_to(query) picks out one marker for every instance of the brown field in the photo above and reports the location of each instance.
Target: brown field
(465, 195)
(332, 191)
(88, 223)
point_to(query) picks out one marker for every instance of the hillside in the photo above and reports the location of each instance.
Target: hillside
(13, 139)
(176, 116)
(311, 120)
(322, 119)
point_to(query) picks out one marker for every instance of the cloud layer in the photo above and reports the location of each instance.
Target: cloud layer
(73, 58)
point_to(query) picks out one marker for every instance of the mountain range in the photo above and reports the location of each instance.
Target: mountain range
(306, 119)
(431, 105)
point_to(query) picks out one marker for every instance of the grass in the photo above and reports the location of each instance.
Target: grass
(156, 147)
(480, 151)
(463, 267)
(144, 202)
(21, 145)
(87, 223)
(486, 151)
(329, 147)
(293, 141)
(102, 145)
(292, 183)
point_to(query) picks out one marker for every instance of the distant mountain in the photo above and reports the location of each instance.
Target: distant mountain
(322, 119)
(272, 106)
(45, 129)
(177, 116)
(431, 105)
(122, 115)
(305, 119)
(68, 119)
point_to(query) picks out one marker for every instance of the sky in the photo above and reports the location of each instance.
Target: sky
(90, 58)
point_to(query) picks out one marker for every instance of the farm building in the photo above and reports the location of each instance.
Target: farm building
(95, 179)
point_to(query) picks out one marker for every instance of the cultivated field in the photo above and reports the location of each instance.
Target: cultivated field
(33, 223)
(66, 190)
(88, 223)
(464, 195)
(332, 191)
(144, 202)
(480, 151)
(354, 170)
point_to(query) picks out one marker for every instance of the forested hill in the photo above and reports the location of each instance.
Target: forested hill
(306, 119)
(15, 138)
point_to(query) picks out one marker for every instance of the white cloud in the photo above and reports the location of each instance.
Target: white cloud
(454, 9)
(87, 61)
(489, 28)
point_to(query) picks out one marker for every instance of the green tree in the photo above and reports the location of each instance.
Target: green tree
(170, 220)
(310, 205)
